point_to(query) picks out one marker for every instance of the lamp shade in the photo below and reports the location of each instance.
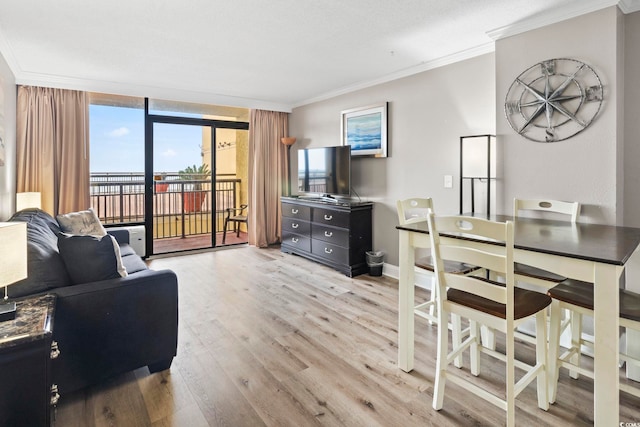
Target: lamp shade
(13, 252)
(28, 200)
(288, 140)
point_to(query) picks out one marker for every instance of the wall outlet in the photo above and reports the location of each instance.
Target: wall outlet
(448, 181)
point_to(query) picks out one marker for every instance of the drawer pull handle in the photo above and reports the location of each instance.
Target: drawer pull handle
(294, 239)
(55, 351)
(295, 225)
(294, 211)
(55, 396)
(328, 217)
(328, 233)
(328, 251)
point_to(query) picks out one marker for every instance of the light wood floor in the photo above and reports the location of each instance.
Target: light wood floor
(270, 339)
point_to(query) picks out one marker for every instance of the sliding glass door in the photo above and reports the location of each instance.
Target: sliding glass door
(196, 179)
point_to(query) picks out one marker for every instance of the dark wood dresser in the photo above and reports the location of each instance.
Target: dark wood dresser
(337, 234)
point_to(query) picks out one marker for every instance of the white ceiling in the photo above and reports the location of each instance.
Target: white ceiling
(274, 54)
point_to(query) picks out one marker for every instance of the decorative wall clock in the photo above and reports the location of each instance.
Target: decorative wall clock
(553, 100)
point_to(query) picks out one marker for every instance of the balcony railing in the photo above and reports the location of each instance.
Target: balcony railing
(180, 207)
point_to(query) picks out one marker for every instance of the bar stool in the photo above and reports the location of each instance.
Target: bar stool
(500, 306)
(416, 210)
(533, 275)
(577, 296)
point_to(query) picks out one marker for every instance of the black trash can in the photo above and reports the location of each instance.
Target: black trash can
(375, 262)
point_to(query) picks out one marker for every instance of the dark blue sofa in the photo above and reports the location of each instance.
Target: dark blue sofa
(102, 328)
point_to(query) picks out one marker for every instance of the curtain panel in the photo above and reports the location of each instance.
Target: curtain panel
(52, 135)
(267, 172)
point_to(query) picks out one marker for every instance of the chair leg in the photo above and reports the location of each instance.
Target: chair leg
(456, 337)
(488, 337)
(433, 299)
(224, 232)
(510, 377)
(576, 336)
(541, 359)
(474, 331)
(554, 349)
(441, 361)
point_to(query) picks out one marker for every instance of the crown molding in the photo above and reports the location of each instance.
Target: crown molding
(552, 17)
(425, 66)
(629, 6)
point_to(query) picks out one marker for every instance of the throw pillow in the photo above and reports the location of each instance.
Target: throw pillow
(91, 258)
(81, 223)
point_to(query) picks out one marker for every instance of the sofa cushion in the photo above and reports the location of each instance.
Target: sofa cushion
(46, 269)
(132, 262)
(91, 258)
(81, 223)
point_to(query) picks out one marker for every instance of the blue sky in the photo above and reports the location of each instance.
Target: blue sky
(117, 142)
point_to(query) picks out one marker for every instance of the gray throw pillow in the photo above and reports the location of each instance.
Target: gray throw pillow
(91, 258)
(81, 223)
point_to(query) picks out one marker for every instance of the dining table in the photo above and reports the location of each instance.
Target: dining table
(595, 253)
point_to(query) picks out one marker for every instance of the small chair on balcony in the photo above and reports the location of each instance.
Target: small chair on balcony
(236, 216)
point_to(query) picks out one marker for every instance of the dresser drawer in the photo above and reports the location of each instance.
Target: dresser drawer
(336, 236)
(331, 217)
(334, 253)
(296, 241)
(294, 225)
(296, 211)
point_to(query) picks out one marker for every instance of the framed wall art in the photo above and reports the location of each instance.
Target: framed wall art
(365, 130)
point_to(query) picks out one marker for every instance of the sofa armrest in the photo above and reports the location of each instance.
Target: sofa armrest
(114, 326)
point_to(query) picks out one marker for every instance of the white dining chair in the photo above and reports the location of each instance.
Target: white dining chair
(415, 210)
(531, 274)
(577, 296)
(542, 280)
(501, 306)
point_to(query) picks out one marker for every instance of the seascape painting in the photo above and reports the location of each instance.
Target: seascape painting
(365, 130)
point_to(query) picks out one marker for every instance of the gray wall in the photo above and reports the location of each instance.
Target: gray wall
(632, 120)
(8, 111)
(584, 168)
(428, 112)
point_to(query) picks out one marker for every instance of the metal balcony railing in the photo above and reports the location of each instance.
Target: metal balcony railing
(181, 207)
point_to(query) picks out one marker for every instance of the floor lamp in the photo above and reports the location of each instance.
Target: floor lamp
(288, 141)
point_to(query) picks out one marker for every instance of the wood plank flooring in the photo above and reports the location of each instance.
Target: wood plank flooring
(271, 339)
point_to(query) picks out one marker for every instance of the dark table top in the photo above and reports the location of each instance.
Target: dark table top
(607, 244)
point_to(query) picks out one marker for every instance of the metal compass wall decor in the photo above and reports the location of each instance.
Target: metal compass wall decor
(553, 100)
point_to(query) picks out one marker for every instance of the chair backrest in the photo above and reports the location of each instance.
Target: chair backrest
(413, 210)
(492, 257)
(567, 208)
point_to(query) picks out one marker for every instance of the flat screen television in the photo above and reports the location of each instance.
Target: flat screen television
(325, 171)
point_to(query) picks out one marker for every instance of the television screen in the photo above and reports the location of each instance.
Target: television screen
(325, 170)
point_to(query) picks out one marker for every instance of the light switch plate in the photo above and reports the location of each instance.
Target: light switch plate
(448, 181)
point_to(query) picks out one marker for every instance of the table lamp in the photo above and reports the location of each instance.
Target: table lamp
(13, 262)
(288, 141)
(28, 200)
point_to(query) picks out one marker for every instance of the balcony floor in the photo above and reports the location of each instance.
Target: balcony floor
(201, 241)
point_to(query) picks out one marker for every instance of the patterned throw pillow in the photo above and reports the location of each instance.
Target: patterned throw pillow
(82, 223)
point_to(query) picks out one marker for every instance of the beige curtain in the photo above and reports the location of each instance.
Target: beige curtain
(267, 171)
(52, 130)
